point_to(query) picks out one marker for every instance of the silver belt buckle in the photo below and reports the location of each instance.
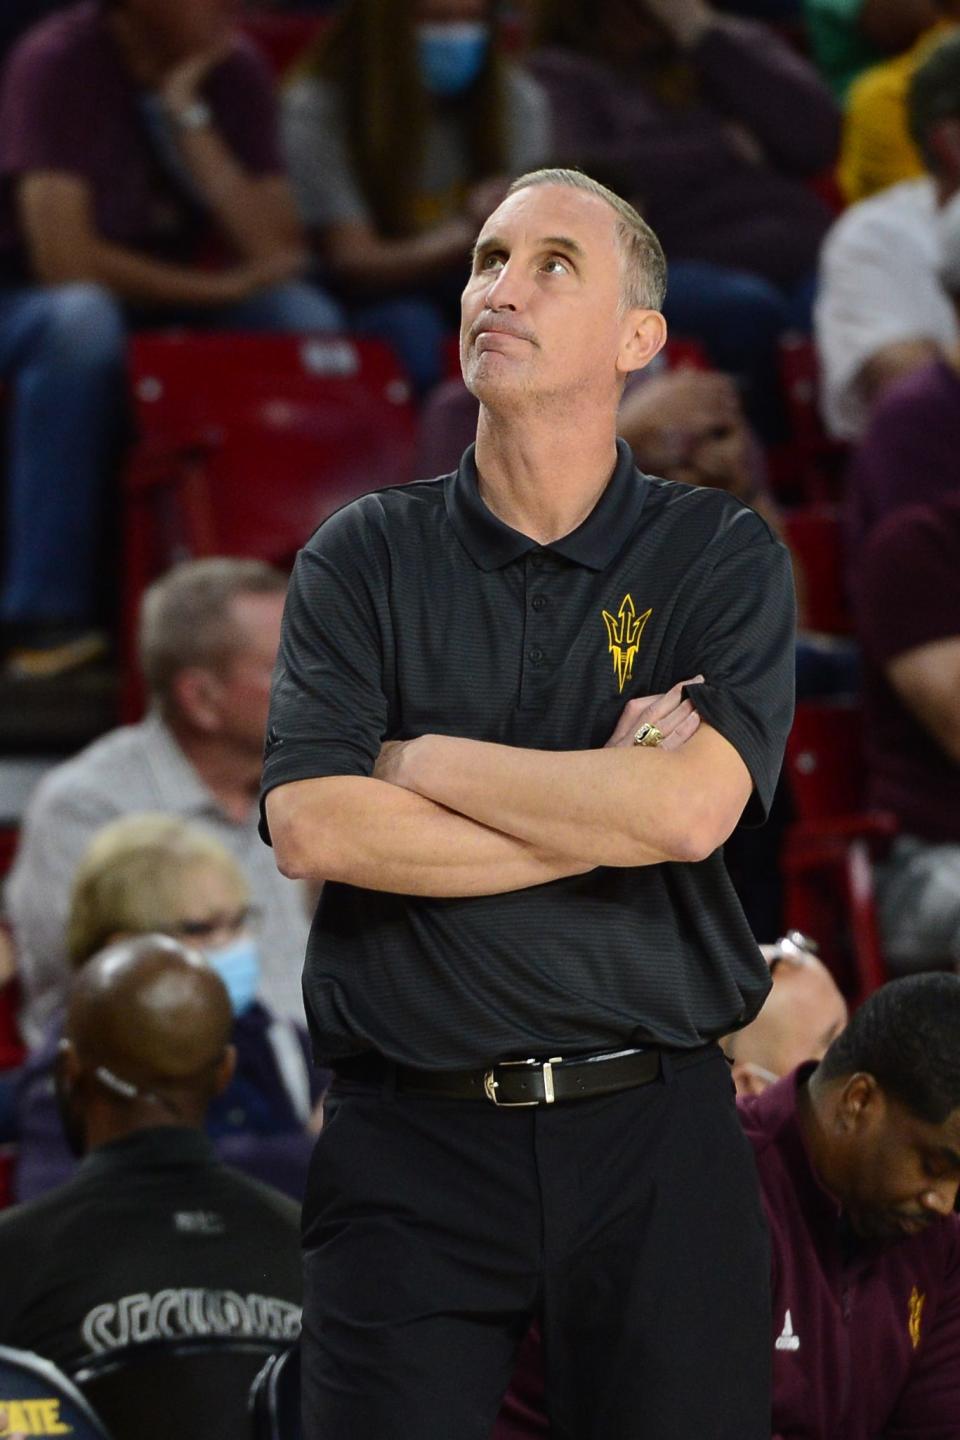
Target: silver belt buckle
(490, 1084)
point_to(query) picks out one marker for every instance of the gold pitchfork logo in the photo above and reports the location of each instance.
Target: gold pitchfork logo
(623, 634)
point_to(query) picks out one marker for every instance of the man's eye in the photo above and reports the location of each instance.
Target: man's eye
(491, 262)
(556, 266)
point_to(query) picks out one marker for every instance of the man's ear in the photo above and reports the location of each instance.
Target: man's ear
(644, 336)
(225, 1070)
(194, 694)
(750, 1079)
(860, 1105)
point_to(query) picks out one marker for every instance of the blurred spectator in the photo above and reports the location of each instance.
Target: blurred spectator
(156, 873)
(859, 1163)
(402, 133)
(907, 598)
(19, 15)
(708, 124)
(153, 1238)
(882, 310)
(142, 184)
(801, 1017)
(208, 639)
(877, 149)
(848, 36)
(909, 454)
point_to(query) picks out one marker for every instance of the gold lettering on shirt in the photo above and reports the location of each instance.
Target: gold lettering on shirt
(914, 1316)
(623, 635)
(33, 1417)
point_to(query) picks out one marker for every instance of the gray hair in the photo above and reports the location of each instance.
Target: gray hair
(186, 619)
(643, 263)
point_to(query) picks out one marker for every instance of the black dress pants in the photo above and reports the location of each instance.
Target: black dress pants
(631, 1226)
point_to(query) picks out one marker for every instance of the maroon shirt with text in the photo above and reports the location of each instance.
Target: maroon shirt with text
(68, 105)
(906, 593)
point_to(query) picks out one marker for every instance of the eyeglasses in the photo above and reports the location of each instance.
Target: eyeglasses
(203, 931)
(794, 948)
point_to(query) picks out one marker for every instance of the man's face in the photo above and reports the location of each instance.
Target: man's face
(242, 687)
(899, 1173)
(187, 27)
(540, 312)
(801, 1017)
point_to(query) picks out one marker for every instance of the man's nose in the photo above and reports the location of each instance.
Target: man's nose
(507, 291)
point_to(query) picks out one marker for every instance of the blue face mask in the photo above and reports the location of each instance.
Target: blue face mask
(451, 55)
(238, 965)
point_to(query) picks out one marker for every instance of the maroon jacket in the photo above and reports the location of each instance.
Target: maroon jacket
(866, 1341)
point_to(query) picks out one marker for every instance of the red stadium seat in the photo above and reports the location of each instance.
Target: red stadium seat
(246, 443)
(282, 39)
(810, 466)
(814, 534)
(829, 850)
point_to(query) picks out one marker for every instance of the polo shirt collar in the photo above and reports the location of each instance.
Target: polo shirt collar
(175, 778)
(595, 542)
(780, 1103)
(161, 1145)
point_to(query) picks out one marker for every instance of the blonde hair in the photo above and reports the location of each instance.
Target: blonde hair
(642, 261)
(130, 878)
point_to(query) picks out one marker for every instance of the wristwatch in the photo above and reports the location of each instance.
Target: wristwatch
(196, 116)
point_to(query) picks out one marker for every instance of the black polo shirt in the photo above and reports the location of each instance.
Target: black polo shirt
(416, 611)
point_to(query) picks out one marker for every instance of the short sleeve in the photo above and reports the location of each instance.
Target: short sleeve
(741, 638)
(314, 141)
(41, 85)
(908, 558)
(242, 94)
(328, 708)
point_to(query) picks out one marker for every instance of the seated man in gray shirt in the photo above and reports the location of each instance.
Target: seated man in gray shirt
(209, 635)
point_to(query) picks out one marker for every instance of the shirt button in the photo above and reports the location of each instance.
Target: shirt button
(536, 655)
(539, 602)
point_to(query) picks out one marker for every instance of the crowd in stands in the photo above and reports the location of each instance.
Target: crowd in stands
(800, 161)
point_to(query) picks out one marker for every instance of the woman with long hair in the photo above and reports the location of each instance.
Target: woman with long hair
(403, 129)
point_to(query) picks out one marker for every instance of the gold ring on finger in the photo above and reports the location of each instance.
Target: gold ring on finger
(648, 735)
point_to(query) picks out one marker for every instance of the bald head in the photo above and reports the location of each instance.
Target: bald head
(801, 1017)
(146, 1039)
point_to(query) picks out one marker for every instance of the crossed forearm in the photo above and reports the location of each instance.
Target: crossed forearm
(607, 807)
(380, 837)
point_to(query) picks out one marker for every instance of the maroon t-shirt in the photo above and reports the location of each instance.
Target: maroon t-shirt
(906, 592)
(68, 104)
(910, 454)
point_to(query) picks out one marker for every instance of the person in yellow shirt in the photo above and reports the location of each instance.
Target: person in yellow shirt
(877, 149)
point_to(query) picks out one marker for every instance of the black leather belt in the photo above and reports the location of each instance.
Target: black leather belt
(527, 1082)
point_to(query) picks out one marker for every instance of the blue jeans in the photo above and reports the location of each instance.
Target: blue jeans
(738, 317)
(62, 352)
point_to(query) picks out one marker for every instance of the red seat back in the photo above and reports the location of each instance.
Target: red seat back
(815, 536)
(825, 761)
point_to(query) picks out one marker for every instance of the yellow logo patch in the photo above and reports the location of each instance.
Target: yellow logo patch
(623, 635)
(33, 1417)
(914, 1316)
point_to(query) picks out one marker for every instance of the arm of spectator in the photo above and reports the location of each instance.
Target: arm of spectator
(56, 215)
(891, 362)
(927, 680)
(893, 25)
(365, 261)
(255, 210)
(756, 78)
